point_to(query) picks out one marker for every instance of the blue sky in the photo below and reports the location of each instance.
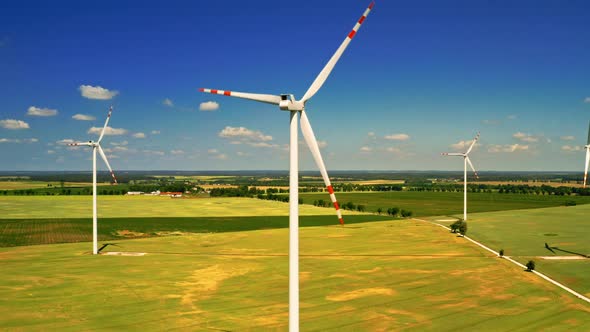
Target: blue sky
(418, 79)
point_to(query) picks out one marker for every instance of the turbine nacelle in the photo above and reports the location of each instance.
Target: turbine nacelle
(288, 103)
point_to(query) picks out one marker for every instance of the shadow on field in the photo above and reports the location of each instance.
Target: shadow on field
(22, 232)
(552, 249)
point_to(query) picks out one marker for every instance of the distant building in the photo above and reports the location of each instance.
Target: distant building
(134, 193)
(173, 194)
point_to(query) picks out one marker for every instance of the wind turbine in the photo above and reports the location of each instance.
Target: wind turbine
(96, 146)
(465, 162)
(587, 147)
(287, 102)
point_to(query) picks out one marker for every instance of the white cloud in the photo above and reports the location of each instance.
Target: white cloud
(97, 92)
(247, 136)
(491, 122)
(65, 141)
(119, 143)
(263, 145)
(9, 140)
(461, 145)
(495, 148)
(155, 132)
(83, 117)
(14, 124)
(139, 135)
(568, 148)
(155, 153)
(398, 137)
(587, 100)
(176, 152)
(36, 111)
(168, 102)
(322, 144)
(525, 137)
(50, 151)
(242, 154)
(371, 134)
(212, 151)
(16, 140)
(209, 106)
(511, 117)
(109, 131)
(120, 148)
(567, 138)
(366, 149)
(221, 156)
(393, 150)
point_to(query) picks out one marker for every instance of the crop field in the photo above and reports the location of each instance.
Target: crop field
(523, 235)
(16, 185)
(380, 276)
(445, 203)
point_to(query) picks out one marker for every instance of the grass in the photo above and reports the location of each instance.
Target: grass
(22, 232)
(378, 276)
(445, 203)
(28, 184)
(523, 235)
(37, 207)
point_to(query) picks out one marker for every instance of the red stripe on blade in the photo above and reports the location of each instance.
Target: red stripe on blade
(336, 206)
(213, 91)
(362, 19)
(330, 189)
(201, 89)
(341, 221)
(351, 34)
(227, 93)
(371, 5)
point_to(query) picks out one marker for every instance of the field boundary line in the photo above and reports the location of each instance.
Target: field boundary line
(569, 290)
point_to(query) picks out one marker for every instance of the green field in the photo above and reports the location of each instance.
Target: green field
(28, 184)
(445, 203)
(408, 276)
(523, 235)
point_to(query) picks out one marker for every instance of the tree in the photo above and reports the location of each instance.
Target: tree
(360, 208)
(501, 252)
(406, 213)
(455, 226)
(379, 210)
(463, 228)
(530, 266)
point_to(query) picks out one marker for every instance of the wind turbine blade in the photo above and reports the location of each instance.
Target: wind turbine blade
(105, 124)
(323, 75)
(317, 156)
(586, 167)
(588, 133)
(104, 157)
(451, 154)
(270, 99)
(473, 143)
(473, 168)
(80, 143)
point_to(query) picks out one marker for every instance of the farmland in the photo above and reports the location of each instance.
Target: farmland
(410, 275)
(446, 203)
(523, 236)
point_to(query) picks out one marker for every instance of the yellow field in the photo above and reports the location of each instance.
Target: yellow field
(17, 185)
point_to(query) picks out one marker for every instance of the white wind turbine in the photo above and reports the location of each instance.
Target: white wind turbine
(465, 162)
(96, 146)
(587, 148)
(287, 102)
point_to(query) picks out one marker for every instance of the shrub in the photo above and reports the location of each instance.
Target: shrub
(501, 252)
(530, 266)
(570, 203)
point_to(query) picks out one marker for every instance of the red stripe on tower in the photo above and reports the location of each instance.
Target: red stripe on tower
(362, 19)
(227, 93)
(213, 91)
(351, 34)
(330, 189)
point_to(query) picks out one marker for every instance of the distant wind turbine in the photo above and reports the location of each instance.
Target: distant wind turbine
(587, 147)
(96, 146)
(465, 162)
(287, 102)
